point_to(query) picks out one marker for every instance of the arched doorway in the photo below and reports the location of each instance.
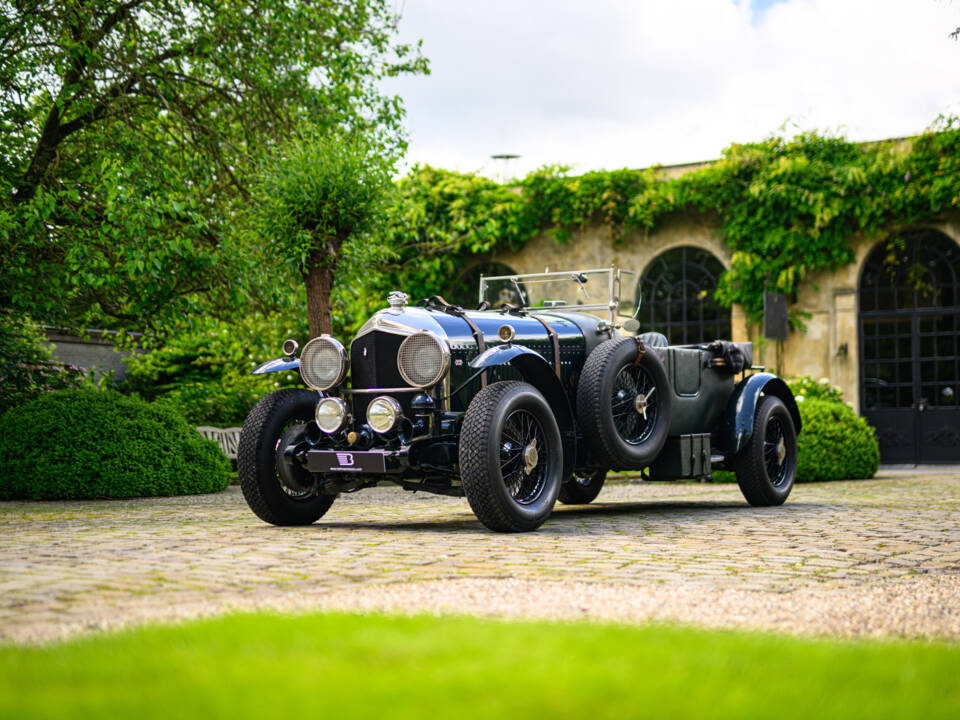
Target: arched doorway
(909, 356)
(676, 295)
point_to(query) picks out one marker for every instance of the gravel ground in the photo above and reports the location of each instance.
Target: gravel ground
(876, 558)
(927, 607)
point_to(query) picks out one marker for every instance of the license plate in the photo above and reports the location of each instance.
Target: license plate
(333, 461)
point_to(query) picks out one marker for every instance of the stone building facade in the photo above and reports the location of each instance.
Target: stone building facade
(896, 360)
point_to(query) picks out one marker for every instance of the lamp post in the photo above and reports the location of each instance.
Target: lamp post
(503, 161)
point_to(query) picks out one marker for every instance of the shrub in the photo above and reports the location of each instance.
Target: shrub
(809, 389)
(835, 444)
(86, 443)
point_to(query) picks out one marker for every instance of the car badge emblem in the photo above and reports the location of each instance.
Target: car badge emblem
(345, 459)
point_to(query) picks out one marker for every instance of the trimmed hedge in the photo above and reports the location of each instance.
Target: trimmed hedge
(89, 443)
(835, 443)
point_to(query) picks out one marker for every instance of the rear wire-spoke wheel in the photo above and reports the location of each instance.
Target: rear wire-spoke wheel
(767, 465)
(511, 458)
(583, 487)
(276, 492)
(774, 452)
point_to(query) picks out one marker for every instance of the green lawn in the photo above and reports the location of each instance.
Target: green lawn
(345, 666)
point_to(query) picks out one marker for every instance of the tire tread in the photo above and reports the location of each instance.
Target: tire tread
(249, 448)
(752, 475)
(591, 408)
(474, 471)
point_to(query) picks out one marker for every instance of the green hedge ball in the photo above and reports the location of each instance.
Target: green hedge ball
(100, 444)
(835, 444)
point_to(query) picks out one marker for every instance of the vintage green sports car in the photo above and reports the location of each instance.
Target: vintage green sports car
(533, 397)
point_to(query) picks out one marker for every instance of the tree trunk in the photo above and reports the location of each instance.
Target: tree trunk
(319, 284)
(44, 154)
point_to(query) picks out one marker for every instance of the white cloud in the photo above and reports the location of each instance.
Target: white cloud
(614, 83)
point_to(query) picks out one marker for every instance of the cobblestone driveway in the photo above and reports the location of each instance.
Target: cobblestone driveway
(877, 557)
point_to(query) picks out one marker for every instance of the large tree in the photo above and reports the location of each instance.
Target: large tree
(131, 133)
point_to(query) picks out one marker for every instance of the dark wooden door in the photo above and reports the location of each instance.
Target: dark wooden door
(909, 354)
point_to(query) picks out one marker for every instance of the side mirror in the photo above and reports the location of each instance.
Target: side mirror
(631, 325)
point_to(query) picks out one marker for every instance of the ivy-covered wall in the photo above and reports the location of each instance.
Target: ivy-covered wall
(793, 215)
(785, 209)
(826, 346)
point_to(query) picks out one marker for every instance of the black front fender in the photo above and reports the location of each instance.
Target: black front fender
(536, 371)
(278, 365)
(737, 426)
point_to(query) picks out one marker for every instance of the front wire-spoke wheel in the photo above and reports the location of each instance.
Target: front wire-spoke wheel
(522, 441)
(511, 457)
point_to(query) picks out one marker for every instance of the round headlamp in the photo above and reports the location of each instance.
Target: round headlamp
(423, 358)
(383, 413)
(330, 414)
(323, 363)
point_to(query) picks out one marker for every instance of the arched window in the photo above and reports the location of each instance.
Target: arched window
(676, 295)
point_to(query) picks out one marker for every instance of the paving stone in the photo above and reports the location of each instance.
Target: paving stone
(70, 566)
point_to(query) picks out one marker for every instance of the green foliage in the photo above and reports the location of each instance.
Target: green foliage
(835, 444)
(321, 190)
(203, 371)
(132, 133)
(390, 666)
(441, 219)
(807, 388)
(788, 208)
(87, 443)
(555, 201)
(435, 223)
(26, 365)
(320, 198)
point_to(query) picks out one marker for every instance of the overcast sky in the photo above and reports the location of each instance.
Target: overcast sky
(631, 83)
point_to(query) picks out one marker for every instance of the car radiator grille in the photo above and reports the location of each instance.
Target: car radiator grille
(373, 364)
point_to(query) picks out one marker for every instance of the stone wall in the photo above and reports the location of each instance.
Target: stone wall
(828, 349)
(95, 353)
